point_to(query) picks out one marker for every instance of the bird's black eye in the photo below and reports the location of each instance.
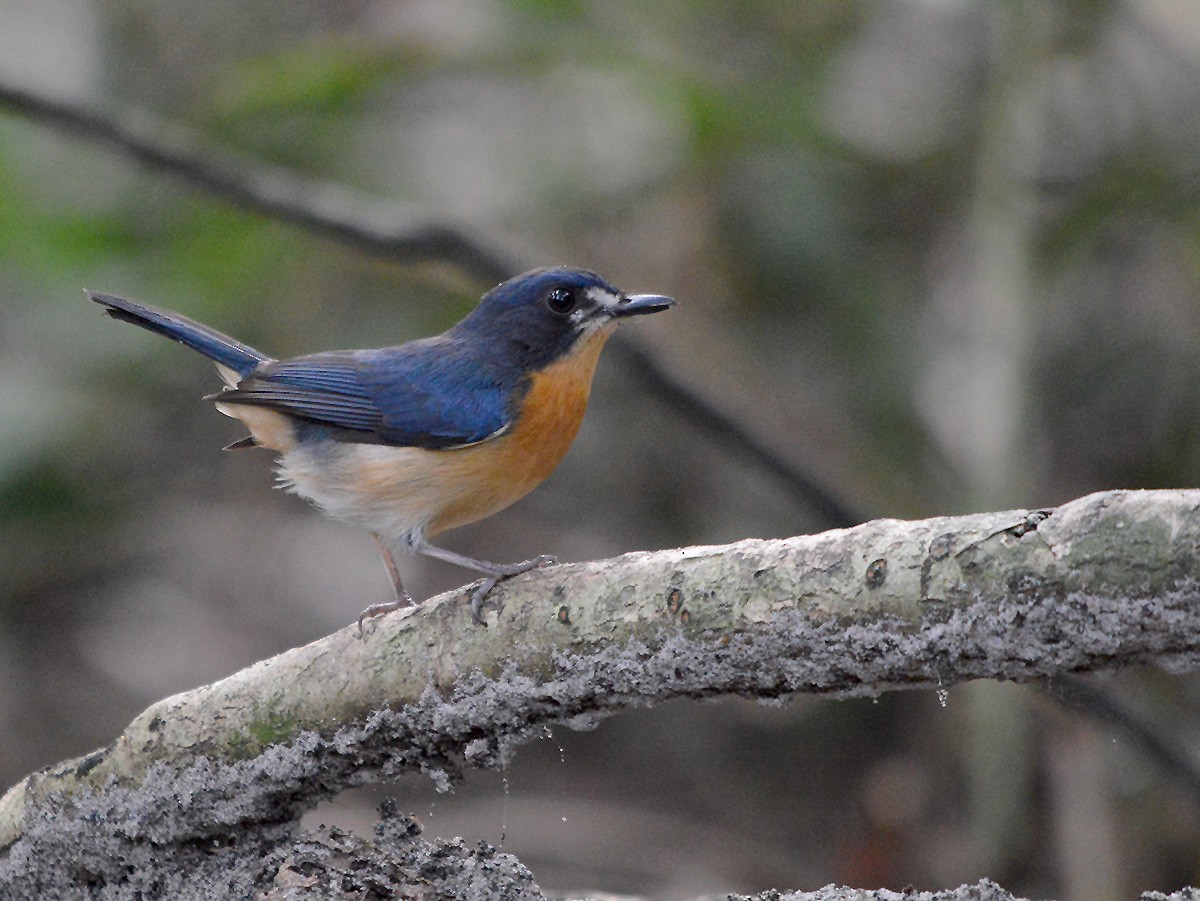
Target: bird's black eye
(561, 301)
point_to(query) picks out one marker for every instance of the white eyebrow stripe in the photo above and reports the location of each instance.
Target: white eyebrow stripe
(603, 298)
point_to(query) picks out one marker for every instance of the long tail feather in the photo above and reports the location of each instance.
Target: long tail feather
(222, 349)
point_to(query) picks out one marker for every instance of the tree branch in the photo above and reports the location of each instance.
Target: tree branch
(334, 210)
(1102, 582)
(1160, 747)
(392, 231)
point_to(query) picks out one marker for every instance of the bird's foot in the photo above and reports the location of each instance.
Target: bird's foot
(504, 572)
(538, 562)
(477, 598)
(379, 609)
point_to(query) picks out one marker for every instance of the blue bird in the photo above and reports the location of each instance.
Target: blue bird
(410, 441)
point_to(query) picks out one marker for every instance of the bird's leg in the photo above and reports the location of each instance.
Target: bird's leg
(402, 598)
(493, 571)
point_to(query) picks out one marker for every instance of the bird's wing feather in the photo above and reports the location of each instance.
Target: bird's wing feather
(421, 394)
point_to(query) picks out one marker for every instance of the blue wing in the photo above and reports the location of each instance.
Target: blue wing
(422, 394)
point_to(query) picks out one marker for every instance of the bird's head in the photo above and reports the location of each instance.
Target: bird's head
(540, 316)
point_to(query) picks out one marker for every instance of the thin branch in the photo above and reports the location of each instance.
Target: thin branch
(1094, 702)
(327, 208)
(1107, 581)
(389, 230)
(806, 490)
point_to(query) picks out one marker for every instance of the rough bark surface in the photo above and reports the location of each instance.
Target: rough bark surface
(213, 781)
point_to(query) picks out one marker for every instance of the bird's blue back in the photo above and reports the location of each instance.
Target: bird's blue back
(456, 389)
(432, 393)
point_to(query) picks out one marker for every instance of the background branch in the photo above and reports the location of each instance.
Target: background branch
(1102, 582)
(392, 231)
(1097, 704)
(334, 210)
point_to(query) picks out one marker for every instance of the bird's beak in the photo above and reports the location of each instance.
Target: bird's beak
(640, 304)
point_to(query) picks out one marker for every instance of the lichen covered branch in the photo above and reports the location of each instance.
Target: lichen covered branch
(1105, 581)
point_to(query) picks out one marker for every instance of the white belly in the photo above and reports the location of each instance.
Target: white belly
(391, 491)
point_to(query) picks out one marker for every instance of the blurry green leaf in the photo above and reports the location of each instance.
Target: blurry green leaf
(53, 240)
(325, 76)
(571, 10)
(43, 491)
(1139, 183)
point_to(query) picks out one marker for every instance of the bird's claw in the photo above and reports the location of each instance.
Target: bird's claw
(379, 609)
(478, 596)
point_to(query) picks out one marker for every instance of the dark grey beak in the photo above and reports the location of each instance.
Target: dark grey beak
(641, 304)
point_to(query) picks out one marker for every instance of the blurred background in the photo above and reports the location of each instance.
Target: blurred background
(941, 255)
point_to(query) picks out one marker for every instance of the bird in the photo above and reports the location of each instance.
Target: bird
(412, 440)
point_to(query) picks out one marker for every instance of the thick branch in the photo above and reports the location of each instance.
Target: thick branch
(203, 791)
(1105, 581)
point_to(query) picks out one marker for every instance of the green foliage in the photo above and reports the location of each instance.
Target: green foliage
(44, 492)
(1130, 186)
(325, 76)
(45, 241)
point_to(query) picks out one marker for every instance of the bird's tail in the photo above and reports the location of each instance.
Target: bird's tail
(221, 349)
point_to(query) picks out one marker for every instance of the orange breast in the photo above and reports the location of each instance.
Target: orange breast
(490, 476)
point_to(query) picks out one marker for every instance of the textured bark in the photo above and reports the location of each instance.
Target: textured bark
(1105, 581)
